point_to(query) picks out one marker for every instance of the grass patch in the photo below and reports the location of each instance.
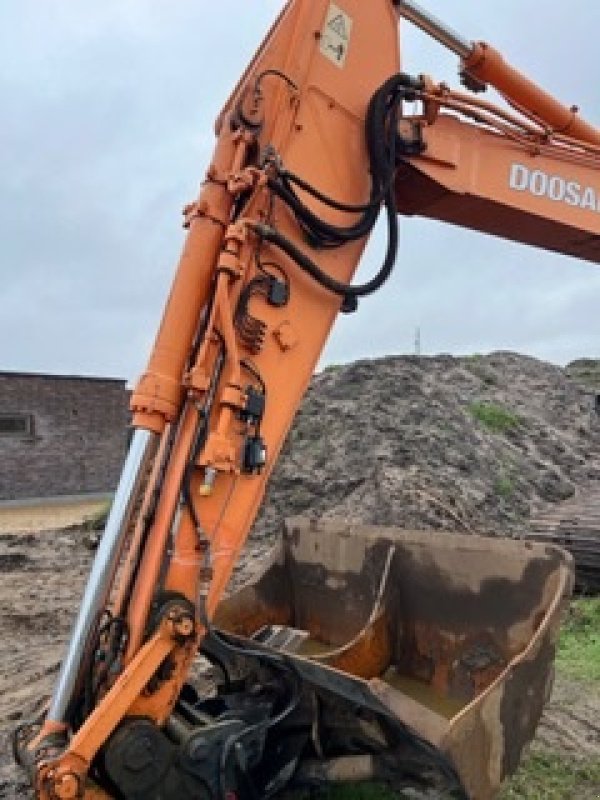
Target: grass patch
(579, 646)
(493, 417)
(504, 486)
(548, 776)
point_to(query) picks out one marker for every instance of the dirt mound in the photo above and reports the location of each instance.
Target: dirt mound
(473, 443)
(585, 371)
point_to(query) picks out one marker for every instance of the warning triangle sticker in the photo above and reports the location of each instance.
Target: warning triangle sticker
(338, 26)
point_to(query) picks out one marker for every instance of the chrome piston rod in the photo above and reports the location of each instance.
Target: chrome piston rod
(97, 590)
(436, 29)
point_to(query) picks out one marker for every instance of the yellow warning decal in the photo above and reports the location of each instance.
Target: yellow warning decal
(335, 35)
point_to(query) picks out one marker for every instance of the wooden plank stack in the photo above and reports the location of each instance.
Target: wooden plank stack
(575, 525)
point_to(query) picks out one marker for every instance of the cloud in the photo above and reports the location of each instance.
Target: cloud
(108, 112)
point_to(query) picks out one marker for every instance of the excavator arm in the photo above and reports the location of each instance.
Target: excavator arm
(318, 138)
(529, 176)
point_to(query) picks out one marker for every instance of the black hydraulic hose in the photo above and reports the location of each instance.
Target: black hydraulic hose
(380, 130)
(402, 84)
(319, 228)
(380, 126)
(305, 263)
(290, 177)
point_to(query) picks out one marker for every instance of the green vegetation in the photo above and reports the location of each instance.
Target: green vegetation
(504, 486)
(579, 647)
(548, 776)
(493, 417)
(506, 477)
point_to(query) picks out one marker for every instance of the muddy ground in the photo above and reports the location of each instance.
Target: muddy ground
(41, 578)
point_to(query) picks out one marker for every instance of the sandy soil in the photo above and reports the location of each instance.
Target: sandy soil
(47, 516)
(41, 579)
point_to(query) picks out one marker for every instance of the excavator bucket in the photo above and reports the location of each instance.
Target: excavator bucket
(452, 636)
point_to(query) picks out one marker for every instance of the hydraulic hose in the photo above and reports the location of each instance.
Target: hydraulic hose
(380, 131)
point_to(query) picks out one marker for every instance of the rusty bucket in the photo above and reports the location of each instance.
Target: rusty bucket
(453, 634)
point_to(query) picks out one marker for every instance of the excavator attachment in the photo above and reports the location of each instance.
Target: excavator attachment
(439, 645)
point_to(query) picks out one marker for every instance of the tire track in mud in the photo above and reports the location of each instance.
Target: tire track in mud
(571, 721)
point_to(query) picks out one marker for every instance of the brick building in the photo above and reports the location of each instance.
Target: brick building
(60, 435)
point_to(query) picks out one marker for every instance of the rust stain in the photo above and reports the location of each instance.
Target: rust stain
(367, 656)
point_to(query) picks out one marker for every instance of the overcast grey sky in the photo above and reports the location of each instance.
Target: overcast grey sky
(107, 115)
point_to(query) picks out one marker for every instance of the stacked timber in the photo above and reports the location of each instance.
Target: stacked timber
(575, 525)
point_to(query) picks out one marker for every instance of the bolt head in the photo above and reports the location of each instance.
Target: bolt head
(184, 626)
(66, 787)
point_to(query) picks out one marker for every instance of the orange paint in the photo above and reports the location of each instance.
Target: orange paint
(487, 64)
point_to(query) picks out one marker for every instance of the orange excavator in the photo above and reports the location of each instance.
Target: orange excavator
(322, 134)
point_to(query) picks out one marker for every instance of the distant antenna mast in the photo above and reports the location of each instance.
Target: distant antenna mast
(417, 341)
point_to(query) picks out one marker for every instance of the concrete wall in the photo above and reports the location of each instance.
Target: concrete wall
(77, 441)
